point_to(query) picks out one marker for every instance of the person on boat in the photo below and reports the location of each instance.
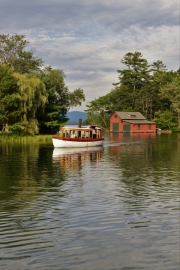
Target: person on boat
(73, 135)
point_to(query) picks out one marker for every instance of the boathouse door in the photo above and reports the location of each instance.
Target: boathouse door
(115, 127)
(126, 128)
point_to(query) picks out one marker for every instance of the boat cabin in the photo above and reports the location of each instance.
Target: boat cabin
(91, 132)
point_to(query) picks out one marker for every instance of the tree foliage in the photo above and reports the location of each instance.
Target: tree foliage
(32, 99)
(60, 100)
(13, 54)
(171, 92)
(19, 101)
(165, 119)
(149, 89)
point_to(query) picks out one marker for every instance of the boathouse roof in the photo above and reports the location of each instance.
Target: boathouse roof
(133, 117)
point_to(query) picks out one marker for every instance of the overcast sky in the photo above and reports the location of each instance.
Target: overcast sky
(88, 38)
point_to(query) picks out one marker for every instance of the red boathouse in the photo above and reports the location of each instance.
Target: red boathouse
(132, 122)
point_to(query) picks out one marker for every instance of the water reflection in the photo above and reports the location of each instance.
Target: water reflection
(148, 166)
(23, 169)
(75, 159)
(131, 137)
(111, 207)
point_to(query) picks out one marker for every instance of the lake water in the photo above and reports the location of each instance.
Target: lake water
(111, 207)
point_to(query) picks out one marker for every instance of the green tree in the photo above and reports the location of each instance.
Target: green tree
(98, 112)
(76, 98)
(7, 98)
(158, 66)
(135, 76)
(165, 120)
(20, 98)
(13, 54)
(137, 72)
(60, 99)
(171, 91)
(33, 98)
(148, 101)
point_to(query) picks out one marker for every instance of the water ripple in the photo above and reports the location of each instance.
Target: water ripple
(112, 209)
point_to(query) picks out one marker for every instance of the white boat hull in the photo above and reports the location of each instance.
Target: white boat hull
(57, 142)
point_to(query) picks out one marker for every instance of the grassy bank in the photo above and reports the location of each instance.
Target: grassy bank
(10, 137)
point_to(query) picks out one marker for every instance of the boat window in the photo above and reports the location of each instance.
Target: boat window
(73, 134)
(65, 133)
(87, 134)
(79, 134)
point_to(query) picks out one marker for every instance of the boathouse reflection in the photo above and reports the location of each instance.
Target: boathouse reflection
(131, 137)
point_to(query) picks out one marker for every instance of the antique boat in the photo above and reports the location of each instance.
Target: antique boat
(78, 137)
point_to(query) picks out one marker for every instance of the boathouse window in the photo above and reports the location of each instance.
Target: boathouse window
(132, 115)
(115, 116)
(139, 126)
(149, 126)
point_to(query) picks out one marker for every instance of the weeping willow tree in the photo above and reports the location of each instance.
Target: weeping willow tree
(32, 96)
(20, 97)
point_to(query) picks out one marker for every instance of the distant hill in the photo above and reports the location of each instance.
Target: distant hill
(74, 117)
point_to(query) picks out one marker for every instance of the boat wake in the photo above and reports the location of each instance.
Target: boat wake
(118, 143)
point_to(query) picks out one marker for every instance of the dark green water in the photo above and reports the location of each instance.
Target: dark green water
(113, 207)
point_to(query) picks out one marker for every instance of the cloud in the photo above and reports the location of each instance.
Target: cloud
(65, 14)
(87, 39)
